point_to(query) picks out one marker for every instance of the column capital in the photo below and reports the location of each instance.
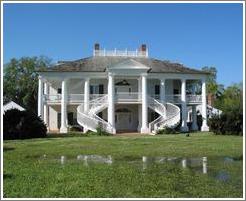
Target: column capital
(111, 74)
(183, 79)
(87, 78)
(144, 75)
(203, 79)
(65, 79)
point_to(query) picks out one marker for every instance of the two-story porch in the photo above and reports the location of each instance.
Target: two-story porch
(120, 93)
(127, 99)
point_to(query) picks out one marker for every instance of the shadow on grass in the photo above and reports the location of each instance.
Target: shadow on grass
(8, 148)
(60, 135)
(8, 176)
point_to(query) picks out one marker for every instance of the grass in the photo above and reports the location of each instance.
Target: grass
(27, 174)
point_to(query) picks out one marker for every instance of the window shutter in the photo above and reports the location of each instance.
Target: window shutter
(101, 91)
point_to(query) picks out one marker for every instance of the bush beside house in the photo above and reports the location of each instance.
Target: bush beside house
(22, 125)
(227, 124)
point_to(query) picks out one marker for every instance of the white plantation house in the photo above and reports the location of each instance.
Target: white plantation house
(120, 91)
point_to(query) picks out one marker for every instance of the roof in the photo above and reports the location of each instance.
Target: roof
(100, 64)
(12, 105)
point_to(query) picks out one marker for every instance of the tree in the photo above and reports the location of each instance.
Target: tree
(231, 99)
(231, 104)
(212, 86)
(20, 80)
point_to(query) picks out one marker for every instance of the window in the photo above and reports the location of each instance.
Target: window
(94, 89)
(70, 118)
(157, 89)
(59, 90)
(175, 91)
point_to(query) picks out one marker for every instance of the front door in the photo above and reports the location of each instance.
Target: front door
(123, 121)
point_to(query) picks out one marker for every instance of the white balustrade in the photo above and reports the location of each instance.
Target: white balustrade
(128, 97)
(121, 53)
(121, 97)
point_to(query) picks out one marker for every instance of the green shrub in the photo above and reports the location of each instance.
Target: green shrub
(166, 130)
(100, 131)
(22, 125)
(229, 123)
(75, 128)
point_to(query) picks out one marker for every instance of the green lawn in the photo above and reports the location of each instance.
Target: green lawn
(27, 173)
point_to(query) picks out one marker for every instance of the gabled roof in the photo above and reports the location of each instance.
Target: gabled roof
(12, 105)
(100, 64)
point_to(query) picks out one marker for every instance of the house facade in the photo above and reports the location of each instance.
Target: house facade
(121, 91)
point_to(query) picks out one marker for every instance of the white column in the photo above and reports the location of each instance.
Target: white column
(40, 97)
(139, 106)
(63, 128)
(184, 127)
(139, 117)
(204, 107)
(139, 88)
(194, 126)
(162, 90)
(86, 94)
(144, 128)
(46, 92)
(111, 94)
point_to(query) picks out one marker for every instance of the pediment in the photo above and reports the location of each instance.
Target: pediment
(129, 64)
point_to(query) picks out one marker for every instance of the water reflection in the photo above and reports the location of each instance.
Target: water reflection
(199, 164)
(95, 159)
(185, 162)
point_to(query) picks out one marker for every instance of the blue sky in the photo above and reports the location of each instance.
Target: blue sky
(196, 35)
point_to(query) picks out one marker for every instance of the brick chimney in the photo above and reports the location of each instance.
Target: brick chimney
(96, 49)
(143, 49)
(96, 46)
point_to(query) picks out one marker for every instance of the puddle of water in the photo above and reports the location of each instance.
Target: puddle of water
(198, 165)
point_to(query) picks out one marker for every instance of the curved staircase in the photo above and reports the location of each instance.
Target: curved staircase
(90, 120)
(169, 115)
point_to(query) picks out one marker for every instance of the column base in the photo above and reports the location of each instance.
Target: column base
(194, 127)
(114, 131)
(184, 129)
(204, 128)
(145, 130)
(63, 130)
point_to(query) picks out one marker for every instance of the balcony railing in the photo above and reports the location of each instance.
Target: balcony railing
(128, 97)
(122, 97)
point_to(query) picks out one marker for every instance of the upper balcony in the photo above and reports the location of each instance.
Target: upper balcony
(122, 97)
